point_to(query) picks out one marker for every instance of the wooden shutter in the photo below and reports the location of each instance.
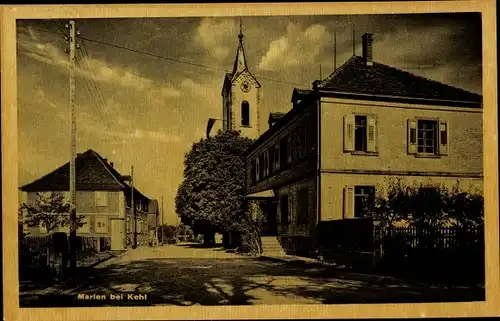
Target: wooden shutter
(43, 228)
(290, 207)
(257, 168)
(349, 133)
(348, 202)
(412, 136)
(371, 145)
(444, 132)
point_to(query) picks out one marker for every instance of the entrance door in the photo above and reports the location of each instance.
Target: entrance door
(272, 218)
(117, 234)
(270, 227)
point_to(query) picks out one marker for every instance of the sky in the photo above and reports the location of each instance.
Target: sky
(137, 109)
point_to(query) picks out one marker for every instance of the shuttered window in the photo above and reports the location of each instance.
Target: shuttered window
(348, 210)
(428, 137)
(360, 133)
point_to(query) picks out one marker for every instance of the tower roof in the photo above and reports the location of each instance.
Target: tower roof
(240, 62)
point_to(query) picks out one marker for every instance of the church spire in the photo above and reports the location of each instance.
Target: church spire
(240, 63)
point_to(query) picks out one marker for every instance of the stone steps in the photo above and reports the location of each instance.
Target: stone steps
(271, 246)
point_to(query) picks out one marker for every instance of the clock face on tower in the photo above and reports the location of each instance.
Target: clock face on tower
(245, 86)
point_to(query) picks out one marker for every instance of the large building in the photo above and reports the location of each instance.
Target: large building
(344, 137)
(103, 198)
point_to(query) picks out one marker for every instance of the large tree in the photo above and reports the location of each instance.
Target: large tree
(211, 196)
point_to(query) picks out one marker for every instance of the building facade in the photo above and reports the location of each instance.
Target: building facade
(343, 138)
(103, 199)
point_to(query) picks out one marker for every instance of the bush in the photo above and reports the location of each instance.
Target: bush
(426, 205)
(248, 239)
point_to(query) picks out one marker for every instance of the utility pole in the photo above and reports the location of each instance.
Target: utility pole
(72, 164)
(161, 211)
(335, 50)
(134, 226)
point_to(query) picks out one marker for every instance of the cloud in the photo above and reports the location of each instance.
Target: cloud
(215, 36)
(140, 134)
(30, 45)
(296, 48)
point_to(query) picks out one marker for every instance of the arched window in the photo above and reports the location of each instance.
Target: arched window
(245, 113)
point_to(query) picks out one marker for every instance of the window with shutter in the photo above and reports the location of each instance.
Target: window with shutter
(412, 136)
(283, 153)
(43, 228)
(277, 159)
(289, 149)
(364, 198)
(444, 133)
(257, 169)
(271, 160)
(349, 133)
(101, 225)
(348, 202)
(372, 134)
(101, 198)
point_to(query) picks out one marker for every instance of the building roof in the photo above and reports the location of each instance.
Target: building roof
(92, 173)
(275, 116)
(356, 77)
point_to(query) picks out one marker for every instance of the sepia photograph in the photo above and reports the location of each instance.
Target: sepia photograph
(250, 160)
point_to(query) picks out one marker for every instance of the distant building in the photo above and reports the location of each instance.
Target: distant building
(103, 197)
(365, 122)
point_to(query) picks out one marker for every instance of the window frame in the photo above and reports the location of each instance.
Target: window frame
(97, 198)
(357, 195)
(245, 110)
(437, 133)
(367, 144)
(100, 229)
(364, 134)
(440, 149)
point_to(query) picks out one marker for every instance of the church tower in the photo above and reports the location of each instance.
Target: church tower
(240, 97)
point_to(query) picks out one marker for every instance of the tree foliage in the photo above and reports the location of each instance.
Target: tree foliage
(426, 205)
(50, 209)
(211, 197)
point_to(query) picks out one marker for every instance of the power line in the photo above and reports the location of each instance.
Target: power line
(179, 61)
(176, 60)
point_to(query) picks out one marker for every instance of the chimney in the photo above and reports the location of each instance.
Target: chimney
(112, 164)
(105, 160)
(367, 41)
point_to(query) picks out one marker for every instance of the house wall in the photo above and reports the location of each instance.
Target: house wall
(297, 238)
(86, 205)
(333, 185)
(298, 169)
(465, 148)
